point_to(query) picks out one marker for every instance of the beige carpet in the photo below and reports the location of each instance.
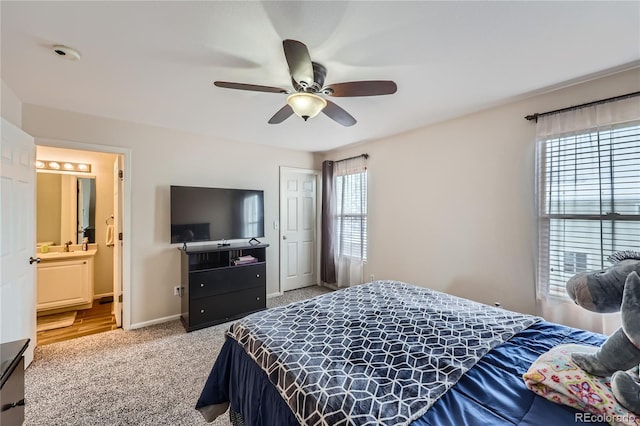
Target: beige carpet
(149, 376)
(50, 322)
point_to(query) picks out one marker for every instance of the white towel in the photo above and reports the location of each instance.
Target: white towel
(110, 236)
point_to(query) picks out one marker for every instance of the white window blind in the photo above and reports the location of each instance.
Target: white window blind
(351, 195)
(589, 188)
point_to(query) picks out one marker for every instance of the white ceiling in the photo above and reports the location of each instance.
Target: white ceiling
(155, 62)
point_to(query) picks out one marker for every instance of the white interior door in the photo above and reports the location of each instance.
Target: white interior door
(298, 226)
(17, 242)
(117, 247)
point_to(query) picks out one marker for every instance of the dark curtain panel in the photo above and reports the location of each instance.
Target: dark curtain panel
(327, 262)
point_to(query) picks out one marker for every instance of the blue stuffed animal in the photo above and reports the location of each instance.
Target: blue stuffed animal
(616, 288)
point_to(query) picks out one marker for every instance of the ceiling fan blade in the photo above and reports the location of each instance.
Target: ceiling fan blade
(281, 115)
(299, 61)
(338, 114)
(362, 88)
(251, 87)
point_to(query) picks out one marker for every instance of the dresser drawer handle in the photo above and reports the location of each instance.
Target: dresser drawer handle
(201, 284)
(257, 275)
(202, 311)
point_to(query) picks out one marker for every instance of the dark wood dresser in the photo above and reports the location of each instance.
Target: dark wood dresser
(217, 286)
(12, 382)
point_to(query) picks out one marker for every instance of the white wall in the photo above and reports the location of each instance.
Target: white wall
(451, 206)
(161, 158)
(10, 105)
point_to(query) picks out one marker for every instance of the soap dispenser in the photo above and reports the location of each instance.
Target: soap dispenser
(85, 244)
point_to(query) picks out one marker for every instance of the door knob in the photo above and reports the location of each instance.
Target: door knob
(284, 237)
(32, 260)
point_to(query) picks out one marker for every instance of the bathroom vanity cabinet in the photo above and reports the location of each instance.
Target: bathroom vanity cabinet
(65, 282)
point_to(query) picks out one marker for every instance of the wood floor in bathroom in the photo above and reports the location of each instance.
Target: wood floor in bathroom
(98, 319)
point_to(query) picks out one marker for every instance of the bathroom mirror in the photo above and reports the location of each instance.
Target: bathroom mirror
(65, 208)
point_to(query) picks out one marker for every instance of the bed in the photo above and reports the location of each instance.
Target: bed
(385, 353)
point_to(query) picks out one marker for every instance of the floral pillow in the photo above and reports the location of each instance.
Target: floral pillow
(555, 377)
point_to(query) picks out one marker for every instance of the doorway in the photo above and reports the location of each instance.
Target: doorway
(99, 224)
(298, 228)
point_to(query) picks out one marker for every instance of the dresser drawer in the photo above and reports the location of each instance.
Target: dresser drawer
(225, 307)
(225, 280)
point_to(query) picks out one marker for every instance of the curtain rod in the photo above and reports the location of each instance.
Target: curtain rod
(534, 117)
(365, 155)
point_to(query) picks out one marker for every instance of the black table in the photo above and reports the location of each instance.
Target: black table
(12, 382)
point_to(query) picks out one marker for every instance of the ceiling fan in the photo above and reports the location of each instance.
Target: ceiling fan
(307, 78)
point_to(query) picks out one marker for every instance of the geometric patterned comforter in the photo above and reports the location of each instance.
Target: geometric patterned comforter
(380, 353)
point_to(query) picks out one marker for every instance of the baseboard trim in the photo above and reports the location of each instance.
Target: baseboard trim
(154, 322)
(272, 295)
(330, 286)
(100, 296)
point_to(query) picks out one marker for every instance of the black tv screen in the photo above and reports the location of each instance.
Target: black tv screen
(214, 214)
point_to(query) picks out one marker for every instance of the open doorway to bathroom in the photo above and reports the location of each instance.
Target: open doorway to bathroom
(79, 208)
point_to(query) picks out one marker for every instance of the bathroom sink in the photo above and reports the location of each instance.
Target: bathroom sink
(62, 253)
(52, 255)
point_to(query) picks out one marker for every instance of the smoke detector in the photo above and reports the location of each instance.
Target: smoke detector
(66, 52)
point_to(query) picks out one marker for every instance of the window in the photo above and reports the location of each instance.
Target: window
(252, 214)
(344, 221)
(351, 214)
(589, 189)
(575, 262)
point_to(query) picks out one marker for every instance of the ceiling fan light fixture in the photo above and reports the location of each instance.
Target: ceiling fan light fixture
(306, 105)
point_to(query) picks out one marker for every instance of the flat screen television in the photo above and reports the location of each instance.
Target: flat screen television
(215, 214)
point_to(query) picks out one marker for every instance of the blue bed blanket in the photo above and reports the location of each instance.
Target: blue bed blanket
(491, 393)
(375, 354)
(379, 353)
(494, 393)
